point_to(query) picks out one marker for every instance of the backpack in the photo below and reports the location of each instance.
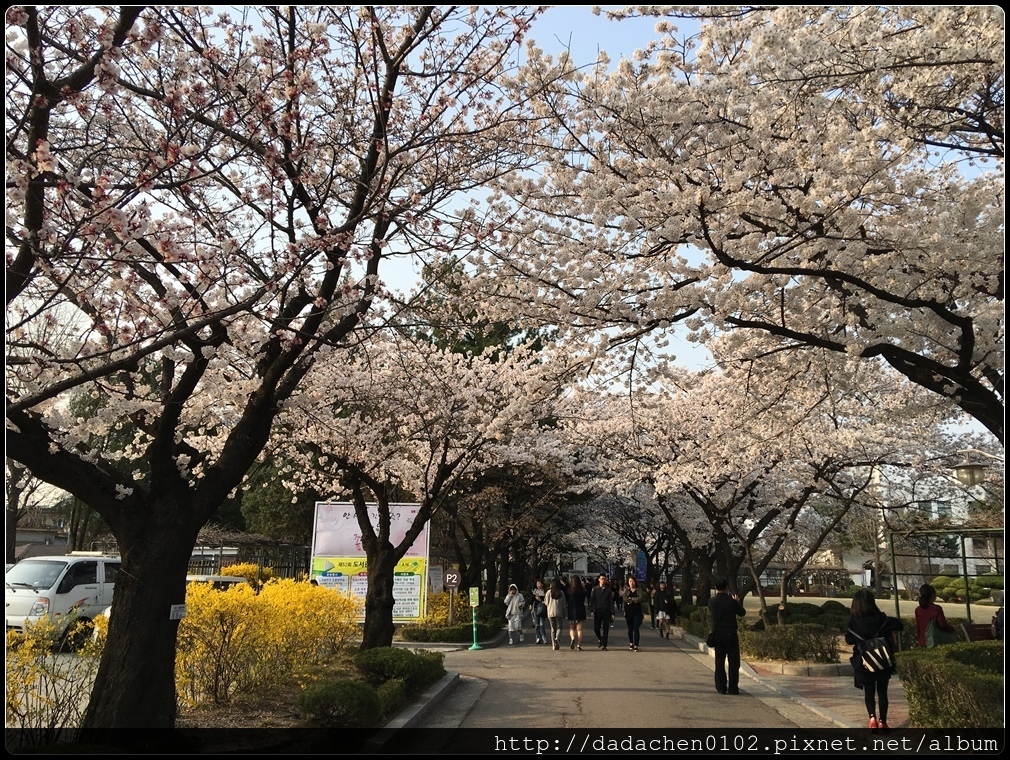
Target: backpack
(876, 653)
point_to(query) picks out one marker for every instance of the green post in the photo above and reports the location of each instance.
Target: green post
(474, 601)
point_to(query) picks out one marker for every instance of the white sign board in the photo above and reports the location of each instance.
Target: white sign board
(339, 562)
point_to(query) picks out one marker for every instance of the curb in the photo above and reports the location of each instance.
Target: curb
(413, 714)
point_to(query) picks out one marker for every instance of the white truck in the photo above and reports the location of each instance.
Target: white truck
(67, 589)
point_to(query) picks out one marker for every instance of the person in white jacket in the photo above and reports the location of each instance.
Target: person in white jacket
(515, 608)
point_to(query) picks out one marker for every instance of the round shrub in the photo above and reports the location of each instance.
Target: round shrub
(800, 618)
(493, 612)
(344, 704)
(803, 608)
(990, 581)
(833, 620)
(418, 670)
(392, 695)
(834, 606)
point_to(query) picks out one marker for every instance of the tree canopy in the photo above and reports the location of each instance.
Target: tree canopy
(830, 177)
(205, 207)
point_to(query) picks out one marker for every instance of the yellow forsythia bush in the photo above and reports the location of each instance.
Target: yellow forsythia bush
(236, 640)
(308, 623)
(46, 695)
(252, 572)
(438, 609)
(217, 645)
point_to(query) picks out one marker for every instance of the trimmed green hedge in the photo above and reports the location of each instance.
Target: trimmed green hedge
(343, 703)
(456, 634)
(417, 670)
(954, 686)
(798, 642)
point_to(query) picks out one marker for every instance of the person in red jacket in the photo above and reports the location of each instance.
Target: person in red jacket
(928, 610)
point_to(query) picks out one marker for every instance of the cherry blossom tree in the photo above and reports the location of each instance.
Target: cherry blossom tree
(510, 519)
(207, 199)
(402, 417)
(832, 177)
(737, 462)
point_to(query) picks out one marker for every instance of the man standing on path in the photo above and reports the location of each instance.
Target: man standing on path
(724, 610)
(601, 602)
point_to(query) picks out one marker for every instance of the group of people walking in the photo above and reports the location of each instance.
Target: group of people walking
(571, 603)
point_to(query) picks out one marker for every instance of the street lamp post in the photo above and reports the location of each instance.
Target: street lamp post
(970, 473)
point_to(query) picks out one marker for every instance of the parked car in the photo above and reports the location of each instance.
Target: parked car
(67, 589)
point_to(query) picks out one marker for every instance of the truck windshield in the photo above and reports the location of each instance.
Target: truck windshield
(34, 574)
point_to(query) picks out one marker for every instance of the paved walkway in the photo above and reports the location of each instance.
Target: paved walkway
(532, 686)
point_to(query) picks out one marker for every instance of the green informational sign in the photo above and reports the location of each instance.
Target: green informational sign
(474, 604)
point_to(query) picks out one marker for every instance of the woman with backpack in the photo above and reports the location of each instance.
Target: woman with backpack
(865, 625)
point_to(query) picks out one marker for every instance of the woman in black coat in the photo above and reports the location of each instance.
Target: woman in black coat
(867, 622)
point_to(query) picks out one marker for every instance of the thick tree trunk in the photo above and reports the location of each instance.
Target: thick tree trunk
(135, 683)
(379, 628)
(704, 590)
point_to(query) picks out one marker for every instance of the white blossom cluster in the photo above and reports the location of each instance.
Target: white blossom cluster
(829, 176)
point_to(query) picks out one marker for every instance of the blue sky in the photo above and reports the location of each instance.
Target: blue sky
(586, 34)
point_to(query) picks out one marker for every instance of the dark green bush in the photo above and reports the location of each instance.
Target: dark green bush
(987, 656)
(699, 615)
(343, 703)
(453, 634)
(798, 642)
(954, 686)
(493, 612)
(804, 608)
(392, 696)
(833, 620)
(693, 628)
(990, 581)
(800, 618)
(418, 670)
(833, 606)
